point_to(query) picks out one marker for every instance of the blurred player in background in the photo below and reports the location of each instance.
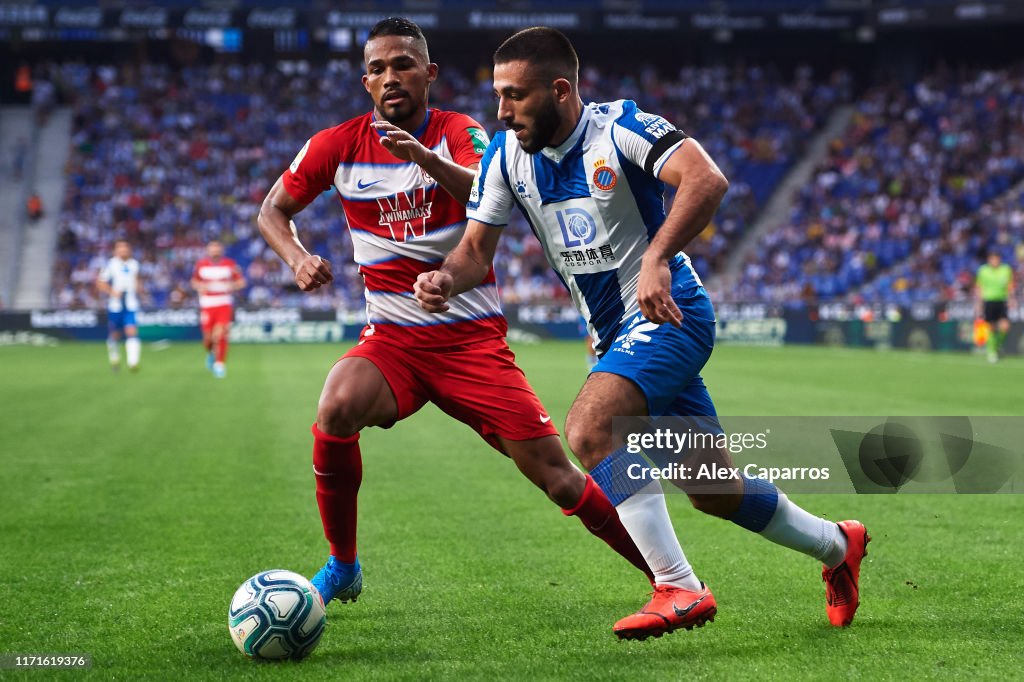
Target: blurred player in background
(403, 172)
(216, 278)
(994, 289)
(591, 182)
(119, 280)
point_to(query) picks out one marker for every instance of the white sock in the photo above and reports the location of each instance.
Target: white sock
(798, 529)
(113, 352)
(645, 517)
(132, 349)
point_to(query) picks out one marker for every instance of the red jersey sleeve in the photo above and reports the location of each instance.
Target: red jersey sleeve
(467, 139)
(313, 169)
(195, 269)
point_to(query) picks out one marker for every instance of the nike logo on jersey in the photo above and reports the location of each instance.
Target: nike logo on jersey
(360, 185)
(681, 613)
(544, 419)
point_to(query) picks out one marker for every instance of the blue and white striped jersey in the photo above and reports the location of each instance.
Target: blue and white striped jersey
(123, 278)
(594, 202)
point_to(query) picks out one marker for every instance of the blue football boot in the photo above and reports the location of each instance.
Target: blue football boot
(338, 580)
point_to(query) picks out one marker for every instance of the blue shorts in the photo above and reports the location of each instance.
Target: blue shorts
(665, 361)
(116, 322)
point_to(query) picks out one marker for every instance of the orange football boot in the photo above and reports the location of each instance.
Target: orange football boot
(842, 583)
(669, 609)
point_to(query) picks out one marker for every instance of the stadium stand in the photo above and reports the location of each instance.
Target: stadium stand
(15, 133)
(945, 268)
(906, 201)
(172, 159)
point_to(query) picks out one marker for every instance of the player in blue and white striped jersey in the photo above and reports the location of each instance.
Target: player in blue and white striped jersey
(594, 201)
(590, 181)
(119, 280)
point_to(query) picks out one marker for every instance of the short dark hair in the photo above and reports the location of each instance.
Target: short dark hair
(398, 26)
(548, 49)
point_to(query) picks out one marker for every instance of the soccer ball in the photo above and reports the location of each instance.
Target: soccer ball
(276, 614)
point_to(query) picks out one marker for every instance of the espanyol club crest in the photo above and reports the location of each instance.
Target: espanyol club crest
(604, 176)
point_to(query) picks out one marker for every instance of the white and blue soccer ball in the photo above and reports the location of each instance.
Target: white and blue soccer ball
(276, 614)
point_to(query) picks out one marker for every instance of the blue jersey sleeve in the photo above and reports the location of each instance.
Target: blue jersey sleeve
(648, 140)
(490, 197)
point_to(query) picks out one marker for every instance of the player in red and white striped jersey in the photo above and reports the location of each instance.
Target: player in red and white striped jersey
(216, 278)
(403, 173)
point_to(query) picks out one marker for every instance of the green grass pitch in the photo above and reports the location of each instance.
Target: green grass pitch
(134, 505)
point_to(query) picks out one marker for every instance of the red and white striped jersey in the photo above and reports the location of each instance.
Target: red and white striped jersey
(402, 223)
(218, 278)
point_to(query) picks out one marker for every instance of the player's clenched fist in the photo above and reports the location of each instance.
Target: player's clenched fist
(433, 290)
(312, 273)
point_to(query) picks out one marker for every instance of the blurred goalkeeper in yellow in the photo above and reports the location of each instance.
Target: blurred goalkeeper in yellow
(994, 288)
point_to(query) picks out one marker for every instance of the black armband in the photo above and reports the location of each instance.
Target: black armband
(667, 141)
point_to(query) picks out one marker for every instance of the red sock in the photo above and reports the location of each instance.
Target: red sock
(222, 348)
(598, 514)
(208, 345)
(338, 467)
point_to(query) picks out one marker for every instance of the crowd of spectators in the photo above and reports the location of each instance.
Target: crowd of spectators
(945, 269)
(907, 201)
(170, 159)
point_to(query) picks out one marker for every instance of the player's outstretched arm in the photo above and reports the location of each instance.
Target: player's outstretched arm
(455, 179)
(700, 188)
(276, 226)
(464, 268)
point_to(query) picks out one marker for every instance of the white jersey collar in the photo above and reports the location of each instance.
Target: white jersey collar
(556, 154)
